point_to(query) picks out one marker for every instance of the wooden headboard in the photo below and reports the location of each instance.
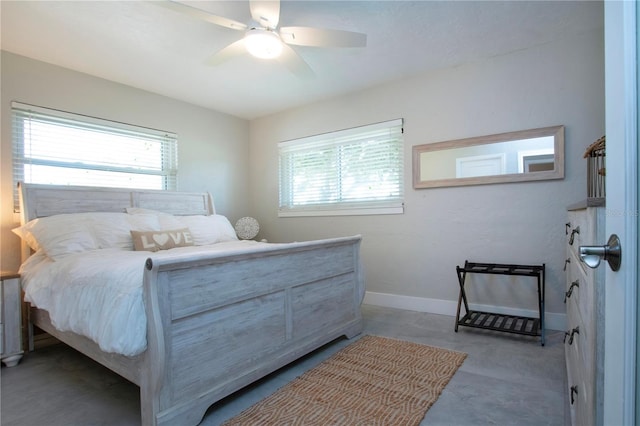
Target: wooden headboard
(48, 200)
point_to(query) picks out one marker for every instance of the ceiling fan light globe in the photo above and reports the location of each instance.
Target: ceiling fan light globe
(263, 44)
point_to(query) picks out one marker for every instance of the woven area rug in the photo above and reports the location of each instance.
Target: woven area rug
(374, 381)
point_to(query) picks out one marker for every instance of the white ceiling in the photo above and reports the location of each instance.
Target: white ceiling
(140, 44)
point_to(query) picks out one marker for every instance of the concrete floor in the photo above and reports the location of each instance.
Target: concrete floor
(505, 380)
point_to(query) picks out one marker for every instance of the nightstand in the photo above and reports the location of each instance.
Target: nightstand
(10, 318)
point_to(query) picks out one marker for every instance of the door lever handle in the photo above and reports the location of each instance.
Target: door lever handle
(612, 253)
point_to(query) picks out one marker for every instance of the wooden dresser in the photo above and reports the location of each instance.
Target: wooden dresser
(584, 297)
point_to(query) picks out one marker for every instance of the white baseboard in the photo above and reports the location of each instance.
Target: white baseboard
(553, 321)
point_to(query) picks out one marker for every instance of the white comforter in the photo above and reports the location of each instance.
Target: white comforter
(98, 294)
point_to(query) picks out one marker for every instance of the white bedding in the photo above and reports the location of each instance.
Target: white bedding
(98, 293)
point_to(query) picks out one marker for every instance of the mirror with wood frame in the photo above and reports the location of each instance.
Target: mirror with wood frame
(527, 155)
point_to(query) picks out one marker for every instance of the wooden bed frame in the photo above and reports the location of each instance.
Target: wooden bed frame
(219, 322)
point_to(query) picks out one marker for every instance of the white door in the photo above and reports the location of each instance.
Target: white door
(621, 298)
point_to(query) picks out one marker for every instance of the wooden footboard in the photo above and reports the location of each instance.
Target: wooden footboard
(218, 323)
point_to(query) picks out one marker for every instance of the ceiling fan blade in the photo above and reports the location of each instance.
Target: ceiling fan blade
(266, 13)
(236, 48)
(306, 36)
(290, 59)
(201, 14)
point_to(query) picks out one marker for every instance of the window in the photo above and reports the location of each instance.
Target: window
(348, 172)
(60, 148)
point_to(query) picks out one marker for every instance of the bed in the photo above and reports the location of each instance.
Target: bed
(215, 321)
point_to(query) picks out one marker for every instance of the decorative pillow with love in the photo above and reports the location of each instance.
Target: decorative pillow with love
(161, 240)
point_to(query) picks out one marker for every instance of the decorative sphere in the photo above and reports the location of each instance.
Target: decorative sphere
(247, 228)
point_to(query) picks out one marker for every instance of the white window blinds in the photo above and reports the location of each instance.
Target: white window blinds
(60, 148)
(352, 171)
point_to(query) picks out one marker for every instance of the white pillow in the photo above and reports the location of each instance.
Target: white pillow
(108, 228)
(64, 234)
(208, 229)
(24, 233)
(227, 232)
(113, 230)
(59, 235)
(166, 220)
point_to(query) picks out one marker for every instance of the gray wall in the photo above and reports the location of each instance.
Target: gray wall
(212, 147)
(413, 256)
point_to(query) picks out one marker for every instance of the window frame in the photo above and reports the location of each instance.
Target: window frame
(341, 138)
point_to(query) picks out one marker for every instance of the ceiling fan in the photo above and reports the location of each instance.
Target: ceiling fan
(263, 38)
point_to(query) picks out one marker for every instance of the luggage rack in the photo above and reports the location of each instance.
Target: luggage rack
(529, 326)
